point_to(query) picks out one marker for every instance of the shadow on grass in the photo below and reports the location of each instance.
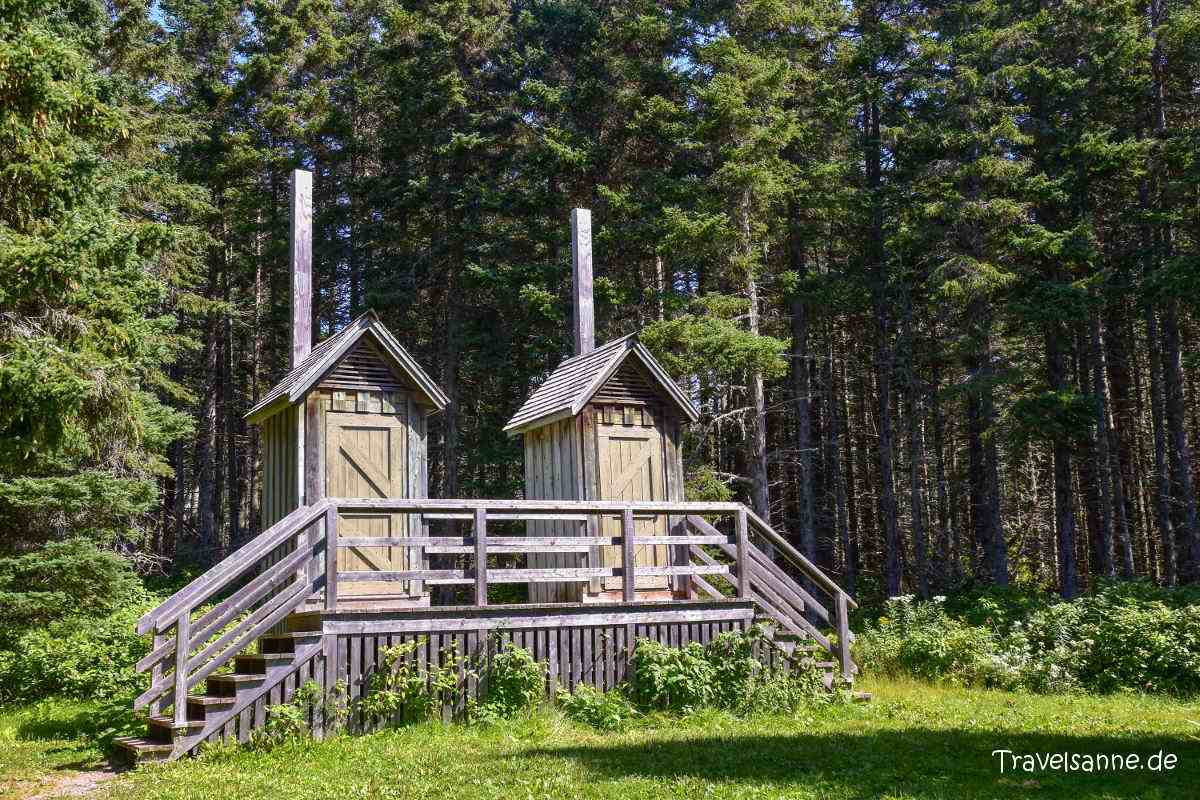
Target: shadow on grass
(83, 724)
(910, 763)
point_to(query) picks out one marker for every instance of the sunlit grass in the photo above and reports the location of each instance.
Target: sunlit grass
(912, 741)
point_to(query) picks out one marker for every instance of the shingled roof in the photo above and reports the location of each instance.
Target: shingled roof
(577, 379)
(325, 357)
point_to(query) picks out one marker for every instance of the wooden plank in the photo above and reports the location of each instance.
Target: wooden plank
(331, 569)
(809, 569)
(183, 640)
(300, 249)
(681, 540)
(690, 569)
(518, 623)
(230, 567)
(509, 517)
(628, 563)
(843, 630)
(533, 506)
(481, 568)
(511, 549)
(460, 576)
(742, 559)
(581, 279)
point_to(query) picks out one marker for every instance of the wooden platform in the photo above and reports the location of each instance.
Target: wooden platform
(255, 615)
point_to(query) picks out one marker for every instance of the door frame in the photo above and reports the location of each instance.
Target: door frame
(400, 440)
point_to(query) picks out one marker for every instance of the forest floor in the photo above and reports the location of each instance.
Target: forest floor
(913, 741)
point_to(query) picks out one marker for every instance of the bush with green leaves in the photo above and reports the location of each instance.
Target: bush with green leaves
(399, 691)
(605, 711)
(1123, 637)
(723, 674)
(670, 678)
(78, 656)
(513, 685)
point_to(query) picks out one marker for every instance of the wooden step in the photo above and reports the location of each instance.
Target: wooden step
(287, 642)
(303, 621)
(139, 750)
(165, 729)
(228, 685)
(259, 663)
(199, 706)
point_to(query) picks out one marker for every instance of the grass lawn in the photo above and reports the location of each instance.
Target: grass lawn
(912, 741)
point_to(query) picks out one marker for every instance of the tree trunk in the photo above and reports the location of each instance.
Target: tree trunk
(1064, 508)
(802, 389)
(761, 491)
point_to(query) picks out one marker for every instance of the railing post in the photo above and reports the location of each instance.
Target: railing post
(480, 557)
(157, 671)
(628, 569)
(743, 555)
(331, 554)
(681, 556)
(843, 634)
(183, 646)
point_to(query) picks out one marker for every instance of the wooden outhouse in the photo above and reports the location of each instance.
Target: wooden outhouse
(604, 425)
(348, 420)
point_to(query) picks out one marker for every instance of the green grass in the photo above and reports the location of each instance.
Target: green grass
(41, 744)
(912, 741)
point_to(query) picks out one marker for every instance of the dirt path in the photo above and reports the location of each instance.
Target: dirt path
(73, 784)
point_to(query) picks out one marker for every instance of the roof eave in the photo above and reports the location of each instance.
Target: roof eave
(538, 422)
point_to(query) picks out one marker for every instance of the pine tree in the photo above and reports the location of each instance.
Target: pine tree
(94, 256)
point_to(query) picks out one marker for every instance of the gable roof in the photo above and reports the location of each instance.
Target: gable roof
(325, 356)
(577, 379)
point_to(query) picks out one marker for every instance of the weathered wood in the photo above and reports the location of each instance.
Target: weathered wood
(301, 257)
(707, 587)
(481, 567)
(581, 279)
(680, 540)
(331, 566)
(182, 648)
(843, 631)
(511, 548)
(463, 576)
(510, 517)
(689, 569)
(545, 507)
(809, 569)
(217, 577)
(805, 600)
(628, 568)
(743, 554)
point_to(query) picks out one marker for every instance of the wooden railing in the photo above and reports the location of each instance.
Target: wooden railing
(255, 588)
(255, 596)
(689, 528)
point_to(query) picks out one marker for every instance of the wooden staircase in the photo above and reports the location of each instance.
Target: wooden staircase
(226, 696)
(244, 630)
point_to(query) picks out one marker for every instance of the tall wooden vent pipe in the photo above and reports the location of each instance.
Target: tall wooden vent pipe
(581, 280)
(301, 257)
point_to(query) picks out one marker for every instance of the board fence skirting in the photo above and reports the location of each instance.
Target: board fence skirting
(576, 645)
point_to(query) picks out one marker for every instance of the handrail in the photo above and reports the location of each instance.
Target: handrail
(233, 565)
(810, 569)
(271, 593)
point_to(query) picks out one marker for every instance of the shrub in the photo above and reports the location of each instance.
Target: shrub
(724, 674)
(80, 657)
(921, 640)
(399, 692)
(1127, 636)
(290, 722)
(605, 711)
(512, 686)
(670, 678)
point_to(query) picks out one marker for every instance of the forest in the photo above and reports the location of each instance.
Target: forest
(930, 269)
